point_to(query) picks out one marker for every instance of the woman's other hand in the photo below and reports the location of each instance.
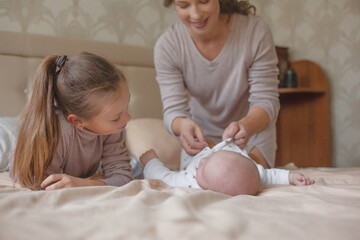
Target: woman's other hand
(238, 132)
(190, 135)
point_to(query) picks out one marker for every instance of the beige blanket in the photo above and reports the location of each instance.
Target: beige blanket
(149, 209)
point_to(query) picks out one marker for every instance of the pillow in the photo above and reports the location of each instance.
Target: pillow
(143, 134)
(8, 136)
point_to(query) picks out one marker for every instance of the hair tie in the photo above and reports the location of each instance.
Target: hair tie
(60, 61)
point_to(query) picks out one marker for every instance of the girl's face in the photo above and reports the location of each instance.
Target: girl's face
(200, 16)
(114, 116)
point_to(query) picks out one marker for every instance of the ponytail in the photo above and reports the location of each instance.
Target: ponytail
(75, 88)
(39, 131)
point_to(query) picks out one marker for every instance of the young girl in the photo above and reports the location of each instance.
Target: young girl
(72, 122)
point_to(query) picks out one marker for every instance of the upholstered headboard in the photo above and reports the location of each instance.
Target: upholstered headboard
(21, 54)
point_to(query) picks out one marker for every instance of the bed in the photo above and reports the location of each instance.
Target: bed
(150, 209)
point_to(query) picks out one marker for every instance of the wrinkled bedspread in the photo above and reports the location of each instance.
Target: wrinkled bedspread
(149, 209)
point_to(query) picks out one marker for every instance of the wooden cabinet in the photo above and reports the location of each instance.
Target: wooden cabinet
(303, 126)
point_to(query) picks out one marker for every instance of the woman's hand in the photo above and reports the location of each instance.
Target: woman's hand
(58, 181)
(238, 132)
(255, 121)
(298, 179)
(147, 156)
(190, 134)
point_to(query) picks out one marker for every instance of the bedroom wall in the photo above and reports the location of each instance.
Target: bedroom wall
(324, 31)
(328, 33)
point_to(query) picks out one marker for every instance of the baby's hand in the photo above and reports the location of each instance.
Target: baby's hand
(299, 179)
(147, 156)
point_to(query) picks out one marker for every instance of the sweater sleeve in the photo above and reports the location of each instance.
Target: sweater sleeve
(155, 169)
(115, 161)
(273, 175)
(263, 71)
(170, 79)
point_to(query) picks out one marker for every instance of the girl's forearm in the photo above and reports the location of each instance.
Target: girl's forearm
(93, 182)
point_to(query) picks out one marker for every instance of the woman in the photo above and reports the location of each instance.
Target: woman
(223, 57)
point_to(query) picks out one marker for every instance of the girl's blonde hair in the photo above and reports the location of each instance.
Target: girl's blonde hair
(75, 88)
(229, 6)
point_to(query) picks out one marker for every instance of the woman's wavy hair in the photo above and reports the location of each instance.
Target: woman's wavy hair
(76, 88)
(229, 6)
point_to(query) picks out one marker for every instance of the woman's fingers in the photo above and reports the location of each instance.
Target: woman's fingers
(190, 145)
(230, 131)
(238, 133)
(200, 136)
(240, 142)
(241, 133)
(192, 139)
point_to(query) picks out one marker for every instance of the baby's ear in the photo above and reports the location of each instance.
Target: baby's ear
(201, 162)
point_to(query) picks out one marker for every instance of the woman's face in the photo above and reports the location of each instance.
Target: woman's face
(200, 16)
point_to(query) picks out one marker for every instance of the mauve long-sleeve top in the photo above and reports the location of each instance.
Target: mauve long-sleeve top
(80, 152)
(242, 76)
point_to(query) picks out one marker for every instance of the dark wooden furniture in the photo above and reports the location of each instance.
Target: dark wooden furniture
(303, 128)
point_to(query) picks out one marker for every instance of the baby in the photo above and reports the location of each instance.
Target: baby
(225, 169)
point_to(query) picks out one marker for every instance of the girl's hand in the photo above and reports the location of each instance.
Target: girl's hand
(238, 132)
(191, 137)
(58, 181)
(299, 179)
(147, 156)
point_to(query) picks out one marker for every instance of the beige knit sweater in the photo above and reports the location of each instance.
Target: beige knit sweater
(223, 90)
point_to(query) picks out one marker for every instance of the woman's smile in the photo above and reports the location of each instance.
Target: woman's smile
(200, 24)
